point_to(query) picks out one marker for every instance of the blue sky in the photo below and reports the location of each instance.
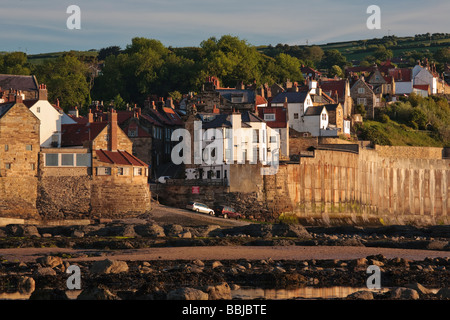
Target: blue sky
(40, 26)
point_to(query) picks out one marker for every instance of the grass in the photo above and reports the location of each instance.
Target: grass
(401, 135)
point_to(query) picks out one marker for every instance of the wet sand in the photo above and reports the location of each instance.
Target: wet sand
(222, 253)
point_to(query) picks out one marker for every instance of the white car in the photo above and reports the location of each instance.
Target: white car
(163, 179)
(200, 207)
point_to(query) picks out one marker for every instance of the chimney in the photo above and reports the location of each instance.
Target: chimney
(90, 116)
(11, 95)
(19, 98)
(112, 130)
(43, 95)
(285, 104)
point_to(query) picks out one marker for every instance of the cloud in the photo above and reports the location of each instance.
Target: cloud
(187, 23)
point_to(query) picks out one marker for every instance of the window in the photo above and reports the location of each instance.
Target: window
(28, 147)
(51, 160)
(38, 109)
(361, 90)
(138, 171)
(8, 166)
(106, 137)
(67, 159)
(227, 154)
(256, 136)
(273, 139)
(83, 159)
(32, 166)
(6, 147)
(295, 115)
(122, 171)
(132, 133)
(103, 171)
(362, 101)
(218, 174)
(269, 117)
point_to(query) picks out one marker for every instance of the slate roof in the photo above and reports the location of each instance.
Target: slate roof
(248, 95)
(314, 111)
(224, 120)
(292, 97)
(18, 82)
(4, 108)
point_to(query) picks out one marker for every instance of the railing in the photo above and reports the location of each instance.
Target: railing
(198, 182)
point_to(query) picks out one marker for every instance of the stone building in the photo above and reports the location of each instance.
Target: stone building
(362, 93)
(19, 149)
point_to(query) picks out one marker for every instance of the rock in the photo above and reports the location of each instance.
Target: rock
(199, 263)
(376, 263)
(443, 293)
(187, 294)
(290, 230)
(361, 295)
(42, 272)
(278, 269)
(14, 230)
(404, 294)
(216, 264)
(221, 291)
(173, 230)
(49, 294)
(97, 293)
(419, 288)
(150, 230)
(437, 245)
(184, 235)
(50, 261)
(128, 230)
(26, 284)
(145, 270)
(109, 266)
(30, 231)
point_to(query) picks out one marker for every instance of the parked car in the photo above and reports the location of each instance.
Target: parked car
(200, 207)
(163, 179)
(226, 212)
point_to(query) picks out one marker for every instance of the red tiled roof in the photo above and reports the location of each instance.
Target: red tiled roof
(401, 74)
(141, 133)
(119, 157)
(421, 87)
(151, 120)
(329, 87)
(260, 100)
(173, 116)
(78, 133)
(280, 116)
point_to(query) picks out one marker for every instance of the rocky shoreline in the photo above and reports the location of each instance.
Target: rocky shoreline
(109, 279)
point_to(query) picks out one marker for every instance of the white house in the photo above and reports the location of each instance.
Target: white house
(296, 103)
(425, 76)
(51, 118)
(316, 120)
(237, 138)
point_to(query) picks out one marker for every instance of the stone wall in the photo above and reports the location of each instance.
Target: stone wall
(67, 197)
(404, 152)
(338, 187)
(18, 197)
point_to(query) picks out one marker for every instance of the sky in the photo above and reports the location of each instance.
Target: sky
(40, 26)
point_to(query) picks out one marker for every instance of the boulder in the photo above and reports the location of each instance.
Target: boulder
(443, 294)
(361, 295)
(50, 261)
(49, 294)
(290, 230)
(109, 266)
(42, 272)
(419, 288)
(187, 294)
(150, 230)
(402, 293)
(26, 284)
(99, 292)
(173, 230)
(221, 291)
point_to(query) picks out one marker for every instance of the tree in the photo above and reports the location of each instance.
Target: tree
(14, 63)
(442, 55)
(287, 67)
(336, 71)
(383, 54)
(66, 80)
(333, 57)
(105, 52)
